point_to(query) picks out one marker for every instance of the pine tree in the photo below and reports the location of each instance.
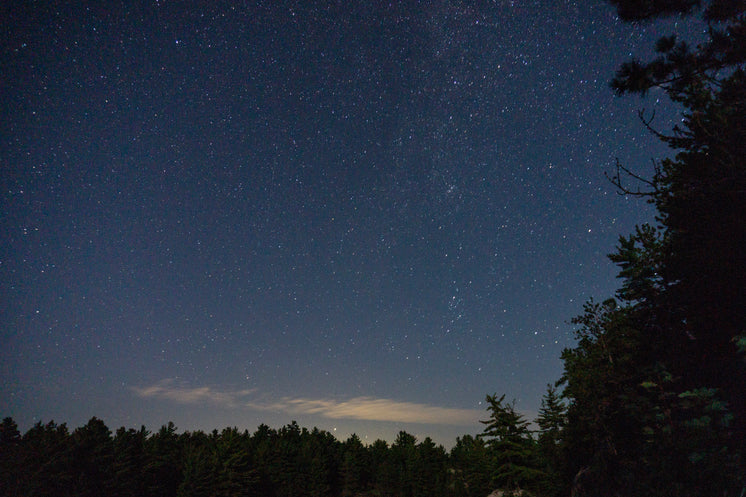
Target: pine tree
(46, 461)
(355, 470)
(93, 458)
(236, 475)
(199, 465)
(701, 193)
(513, 451)
(471, 466)
(129, 462)
(656, 381)
(10, 452)
(403, 454)
(384, 469)
(551, 420)
(429, 470)
(163, 469)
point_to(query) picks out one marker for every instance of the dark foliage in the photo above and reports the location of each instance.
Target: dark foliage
(290, 461)
(512, 450)
(552, 420)
(656, 383)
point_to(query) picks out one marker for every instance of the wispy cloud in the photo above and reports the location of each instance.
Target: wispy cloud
(373, 409)
(166, 389)
(359, 408)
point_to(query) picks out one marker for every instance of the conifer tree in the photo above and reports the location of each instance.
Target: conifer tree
(10, 452)
(163, 467)
(129, 461)
(656, 381)
(471, 466)
(93, 458)
(355, 468)
(551, 421)
(700, 194)
(46, 461)
(512, 450)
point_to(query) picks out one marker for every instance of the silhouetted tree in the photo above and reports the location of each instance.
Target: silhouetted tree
(10, 454)
(129, 462)
(46, 461)
(551, 420)
(402, 457)
(265, 456)
(163, 471)
(701, 193)
(355, 471)
(199, 465)
(429, 470)
(656, 382)
(93, 458)
(512, 450)
(471, 466)
(385, 471)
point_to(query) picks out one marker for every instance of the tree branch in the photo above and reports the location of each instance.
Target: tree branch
(616, 180)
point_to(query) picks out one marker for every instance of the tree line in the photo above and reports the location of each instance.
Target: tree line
(50, 460)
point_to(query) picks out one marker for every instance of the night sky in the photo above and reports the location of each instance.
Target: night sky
(363, 216)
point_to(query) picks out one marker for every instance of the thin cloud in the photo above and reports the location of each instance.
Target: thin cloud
(167, 390)
(373, 409)
(358, 408)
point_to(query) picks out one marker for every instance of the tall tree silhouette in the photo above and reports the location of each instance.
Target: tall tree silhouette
(656, 381)
(93, 456)
(701, 193)
(512, 450)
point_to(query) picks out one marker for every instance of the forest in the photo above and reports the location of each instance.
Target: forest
(652, 398)
(49, 460)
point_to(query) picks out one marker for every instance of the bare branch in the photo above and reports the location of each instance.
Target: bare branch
(647, 122)
(621, 171)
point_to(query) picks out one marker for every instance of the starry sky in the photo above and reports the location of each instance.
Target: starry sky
(363, 216)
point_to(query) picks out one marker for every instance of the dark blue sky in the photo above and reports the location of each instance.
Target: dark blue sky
(358, 215)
